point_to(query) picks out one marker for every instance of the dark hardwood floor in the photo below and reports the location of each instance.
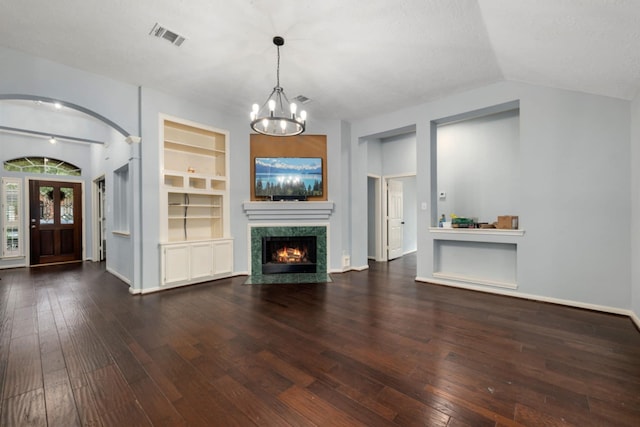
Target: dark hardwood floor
(373, 348)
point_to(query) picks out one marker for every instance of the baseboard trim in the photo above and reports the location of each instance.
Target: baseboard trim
(560, 301)
(476, 280)
(347, 269)
(180, 285)
(154, 289)
(119, 276)
(634, 317)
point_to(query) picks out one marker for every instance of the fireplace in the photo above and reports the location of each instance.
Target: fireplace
(288, 254)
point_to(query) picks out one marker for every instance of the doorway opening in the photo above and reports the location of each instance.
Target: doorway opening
(392, 216)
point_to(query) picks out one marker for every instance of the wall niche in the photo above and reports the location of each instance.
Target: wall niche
(477, 164)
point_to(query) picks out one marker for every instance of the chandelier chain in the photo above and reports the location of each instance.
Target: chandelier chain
(278, 69)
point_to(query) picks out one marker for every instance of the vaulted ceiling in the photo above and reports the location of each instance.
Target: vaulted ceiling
(352, 58)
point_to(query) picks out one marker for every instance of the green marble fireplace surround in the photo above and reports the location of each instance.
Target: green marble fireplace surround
(258, 232)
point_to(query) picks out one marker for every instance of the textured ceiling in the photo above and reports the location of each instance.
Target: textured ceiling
(353, 58)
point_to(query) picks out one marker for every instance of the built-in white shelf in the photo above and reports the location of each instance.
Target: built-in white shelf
(478, 231)
(196, 245)
(477, 234)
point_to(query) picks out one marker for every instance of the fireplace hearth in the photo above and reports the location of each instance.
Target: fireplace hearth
(285, 254)
(288, 254)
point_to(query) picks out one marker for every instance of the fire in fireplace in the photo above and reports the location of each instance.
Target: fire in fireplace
(288, 254)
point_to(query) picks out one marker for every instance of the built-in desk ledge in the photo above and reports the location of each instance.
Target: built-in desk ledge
(478, 231)
(288, 210)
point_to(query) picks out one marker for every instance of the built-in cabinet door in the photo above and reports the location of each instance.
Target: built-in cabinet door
(175, 264)
(223, 257)
(201, 260)
(196, 261)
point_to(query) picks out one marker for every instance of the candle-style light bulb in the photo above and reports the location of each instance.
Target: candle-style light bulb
(272, 105)
(293, 108)
(303, 115)
(283, 125)
(255, 108)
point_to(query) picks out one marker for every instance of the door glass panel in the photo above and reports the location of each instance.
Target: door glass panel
(11, 202)
(46, 205)
(11, 218)
(12, 239)
(66, 205)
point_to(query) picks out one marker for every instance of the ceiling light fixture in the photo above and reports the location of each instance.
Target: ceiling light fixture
(277, 116)
(57, 105)
(52, 140)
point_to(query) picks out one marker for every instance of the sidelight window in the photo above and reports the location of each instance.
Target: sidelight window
(11, 217)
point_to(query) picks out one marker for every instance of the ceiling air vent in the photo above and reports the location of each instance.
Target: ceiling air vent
(163, 33)
(302, 99)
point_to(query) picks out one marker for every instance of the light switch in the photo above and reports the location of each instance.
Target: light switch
(442, 195)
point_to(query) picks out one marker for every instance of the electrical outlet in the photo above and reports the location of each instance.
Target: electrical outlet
(346, 261)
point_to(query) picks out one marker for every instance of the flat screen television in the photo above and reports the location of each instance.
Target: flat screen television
(288, 176)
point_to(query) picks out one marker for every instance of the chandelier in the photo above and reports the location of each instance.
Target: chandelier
(277, 116)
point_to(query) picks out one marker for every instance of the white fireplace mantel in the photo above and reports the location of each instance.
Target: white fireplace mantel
(288, 210)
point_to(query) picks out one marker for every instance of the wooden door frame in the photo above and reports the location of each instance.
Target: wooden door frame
(383, 210)
(378, 215)
(28, 180)
(95, 223)
(398, 251)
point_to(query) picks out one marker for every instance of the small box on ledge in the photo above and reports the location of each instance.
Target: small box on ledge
(507, 222)
(462, 223)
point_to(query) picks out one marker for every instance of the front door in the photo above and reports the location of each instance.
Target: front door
(55, 221)
(394, 219)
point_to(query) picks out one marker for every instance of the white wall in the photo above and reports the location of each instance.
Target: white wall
(574, 177)
(398, 155)
(635, 208)
(28, 75)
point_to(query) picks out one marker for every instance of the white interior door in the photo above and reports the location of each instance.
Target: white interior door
(102, 221)
(394, 219)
